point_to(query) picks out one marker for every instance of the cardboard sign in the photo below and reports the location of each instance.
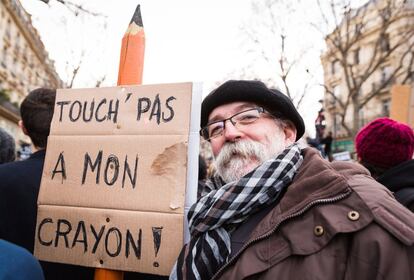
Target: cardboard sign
(118, 163)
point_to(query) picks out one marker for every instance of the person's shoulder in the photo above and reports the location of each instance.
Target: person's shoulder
(31, 162)
(20, 173)
(17, 263)
(387, 211)
(7, 168)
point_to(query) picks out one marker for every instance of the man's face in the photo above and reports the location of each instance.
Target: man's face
(242, 148)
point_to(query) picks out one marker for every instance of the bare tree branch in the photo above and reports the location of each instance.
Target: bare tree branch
(270, 43)
(100, 81)
(76, 9)
(375, 24)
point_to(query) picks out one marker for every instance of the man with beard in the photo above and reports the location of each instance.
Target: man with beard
(276, 211)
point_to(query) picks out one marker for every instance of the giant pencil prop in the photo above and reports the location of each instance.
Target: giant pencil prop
(131, 66)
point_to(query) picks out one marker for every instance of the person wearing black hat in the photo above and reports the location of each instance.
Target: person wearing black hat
(274, 210)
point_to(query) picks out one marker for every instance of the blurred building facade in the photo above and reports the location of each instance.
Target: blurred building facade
(376, 56)
(24, 64)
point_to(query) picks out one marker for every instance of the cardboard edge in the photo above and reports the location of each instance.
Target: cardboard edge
(193, 151)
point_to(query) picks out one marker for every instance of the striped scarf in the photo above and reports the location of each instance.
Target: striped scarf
(214, 216)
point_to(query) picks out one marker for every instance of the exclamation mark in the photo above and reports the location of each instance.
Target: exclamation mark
(156, 234)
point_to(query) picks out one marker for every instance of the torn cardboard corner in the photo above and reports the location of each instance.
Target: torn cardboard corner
(166, 162)
(136, 241)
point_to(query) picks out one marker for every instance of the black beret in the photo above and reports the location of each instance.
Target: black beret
(252, 91)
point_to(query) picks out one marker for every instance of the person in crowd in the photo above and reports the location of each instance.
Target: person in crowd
(16, 263)
(7, 147)
(385, 147)
(314, 143)
(278, 211)
(327, 142)
(20, 183)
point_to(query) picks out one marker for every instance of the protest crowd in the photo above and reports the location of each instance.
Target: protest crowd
(271, 208)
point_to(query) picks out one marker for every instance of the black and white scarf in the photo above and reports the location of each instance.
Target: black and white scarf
(214, 216)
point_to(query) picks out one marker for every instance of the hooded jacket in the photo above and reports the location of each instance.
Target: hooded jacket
(333, 222)
(400, 180)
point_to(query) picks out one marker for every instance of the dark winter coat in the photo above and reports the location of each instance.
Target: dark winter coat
(19, 188)
(400, 180)
(333, 222)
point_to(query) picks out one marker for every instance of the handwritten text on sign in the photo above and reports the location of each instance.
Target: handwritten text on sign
(113, 185)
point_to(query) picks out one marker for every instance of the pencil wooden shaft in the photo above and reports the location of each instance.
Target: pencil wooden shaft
(131, 65)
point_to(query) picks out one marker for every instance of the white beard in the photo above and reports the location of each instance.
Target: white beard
(239, 158)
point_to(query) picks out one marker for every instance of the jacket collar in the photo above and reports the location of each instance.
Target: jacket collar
(38, 154)
(398, 177)
(315, 180)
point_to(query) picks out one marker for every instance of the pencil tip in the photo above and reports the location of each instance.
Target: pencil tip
(137, 17)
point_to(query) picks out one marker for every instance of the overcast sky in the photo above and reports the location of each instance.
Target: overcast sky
(186, 40)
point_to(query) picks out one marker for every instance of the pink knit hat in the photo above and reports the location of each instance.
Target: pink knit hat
(385, 143)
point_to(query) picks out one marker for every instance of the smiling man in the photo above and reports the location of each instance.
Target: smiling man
(250, 139)
(276, 211)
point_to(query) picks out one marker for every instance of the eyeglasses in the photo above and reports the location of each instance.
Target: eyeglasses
(216, 128)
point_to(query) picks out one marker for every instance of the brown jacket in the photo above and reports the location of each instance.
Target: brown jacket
(334, 222)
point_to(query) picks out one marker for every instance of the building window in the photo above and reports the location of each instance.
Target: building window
(361, 118)
(386, 107)
(385, 42)
(335, 67)
(337, 124)
(385, 74)
(358, 28)
(337, 91)
(5, 57)
(356, 56)
(331, 100)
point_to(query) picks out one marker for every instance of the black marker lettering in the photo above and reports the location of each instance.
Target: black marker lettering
(71, 117)
(81, 227)
(130, 241)
(39, 229)
(128, 170)
(156, 109)
(88, 162)
(171, 98)
(60, 232)
(61, 104)
(141, 109)
(61, 161)
(92, 107)
(103, 101)
(118, 238)
(97, 237)
(112, 163)
(113, 111)
(156, 234)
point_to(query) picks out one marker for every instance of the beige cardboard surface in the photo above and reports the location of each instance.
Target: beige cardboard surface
(144, 241)
(149, 109)
(132, 172)
(121, 172)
